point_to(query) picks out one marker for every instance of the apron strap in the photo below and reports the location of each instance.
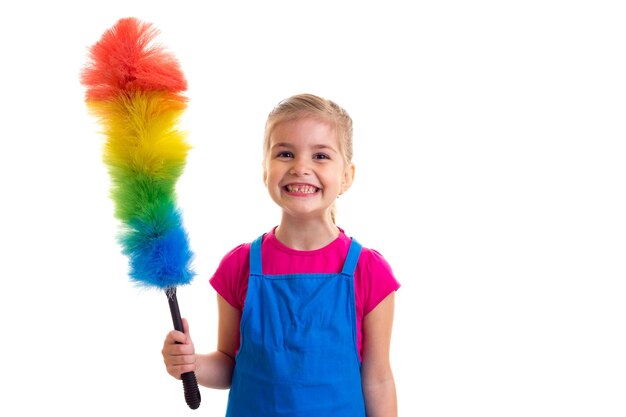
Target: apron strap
(352, 258)
(255, 257)
(256, 267)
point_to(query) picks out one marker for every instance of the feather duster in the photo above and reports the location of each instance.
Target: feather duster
(135, 89)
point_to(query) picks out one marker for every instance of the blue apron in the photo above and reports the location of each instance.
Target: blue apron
(298, 355)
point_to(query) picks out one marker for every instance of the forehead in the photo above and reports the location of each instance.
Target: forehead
(313, 130)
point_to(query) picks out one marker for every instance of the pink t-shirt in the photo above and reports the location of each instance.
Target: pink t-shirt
(373, 278)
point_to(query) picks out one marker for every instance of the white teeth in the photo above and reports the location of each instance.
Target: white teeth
(306, 189)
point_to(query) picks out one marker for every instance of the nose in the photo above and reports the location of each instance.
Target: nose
(300, 166)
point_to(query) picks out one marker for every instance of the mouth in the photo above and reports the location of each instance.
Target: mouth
(301, 189)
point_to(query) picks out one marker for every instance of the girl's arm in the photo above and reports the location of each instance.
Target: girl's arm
(213, 370)
(379, 388)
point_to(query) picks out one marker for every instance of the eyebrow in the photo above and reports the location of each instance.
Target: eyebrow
(290, 146)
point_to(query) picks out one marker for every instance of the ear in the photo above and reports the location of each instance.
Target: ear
(348, 178)
(264, 175)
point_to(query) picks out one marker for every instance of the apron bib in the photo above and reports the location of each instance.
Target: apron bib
(298, 354)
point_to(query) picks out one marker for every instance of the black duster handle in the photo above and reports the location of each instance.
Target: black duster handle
(190, 385)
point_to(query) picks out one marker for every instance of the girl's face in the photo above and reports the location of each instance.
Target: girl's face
(304, 169)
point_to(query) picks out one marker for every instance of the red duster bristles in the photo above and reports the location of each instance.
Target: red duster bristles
(133, 63)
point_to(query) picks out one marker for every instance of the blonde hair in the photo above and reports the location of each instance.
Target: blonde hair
(309, 105)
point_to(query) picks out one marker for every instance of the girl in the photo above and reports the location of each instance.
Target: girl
(305, 312)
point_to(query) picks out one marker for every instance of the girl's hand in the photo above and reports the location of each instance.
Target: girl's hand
(178, 352)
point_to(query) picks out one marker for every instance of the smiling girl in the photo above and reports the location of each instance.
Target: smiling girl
(305, 312)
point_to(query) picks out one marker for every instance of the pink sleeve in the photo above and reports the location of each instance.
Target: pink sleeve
(230, 278)
(377, 280)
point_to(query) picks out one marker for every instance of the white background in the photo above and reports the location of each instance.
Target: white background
(489, 144)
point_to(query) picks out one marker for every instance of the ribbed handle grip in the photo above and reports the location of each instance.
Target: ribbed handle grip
(192, 393)
(190, 384)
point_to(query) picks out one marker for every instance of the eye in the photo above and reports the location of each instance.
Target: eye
(321, 156)
(284, 154)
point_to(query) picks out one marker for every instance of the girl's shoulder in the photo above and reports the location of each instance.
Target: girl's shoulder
(373, 263)
(374, 279)
(372, 257)
(238, 258)
(369, 256)
(237, 254)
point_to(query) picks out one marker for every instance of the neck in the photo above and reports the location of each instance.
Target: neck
(307, 234)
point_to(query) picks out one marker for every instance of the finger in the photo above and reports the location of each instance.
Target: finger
(178, 370)
(187, 332)
(177, 365)
(174, 336)
(178, 360)
(177, 349)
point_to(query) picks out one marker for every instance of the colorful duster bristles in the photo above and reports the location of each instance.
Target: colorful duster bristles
(135, 89)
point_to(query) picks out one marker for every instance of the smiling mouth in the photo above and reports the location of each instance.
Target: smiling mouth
(301, 189)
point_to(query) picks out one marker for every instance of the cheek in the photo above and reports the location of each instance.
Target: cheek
(270, 176)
